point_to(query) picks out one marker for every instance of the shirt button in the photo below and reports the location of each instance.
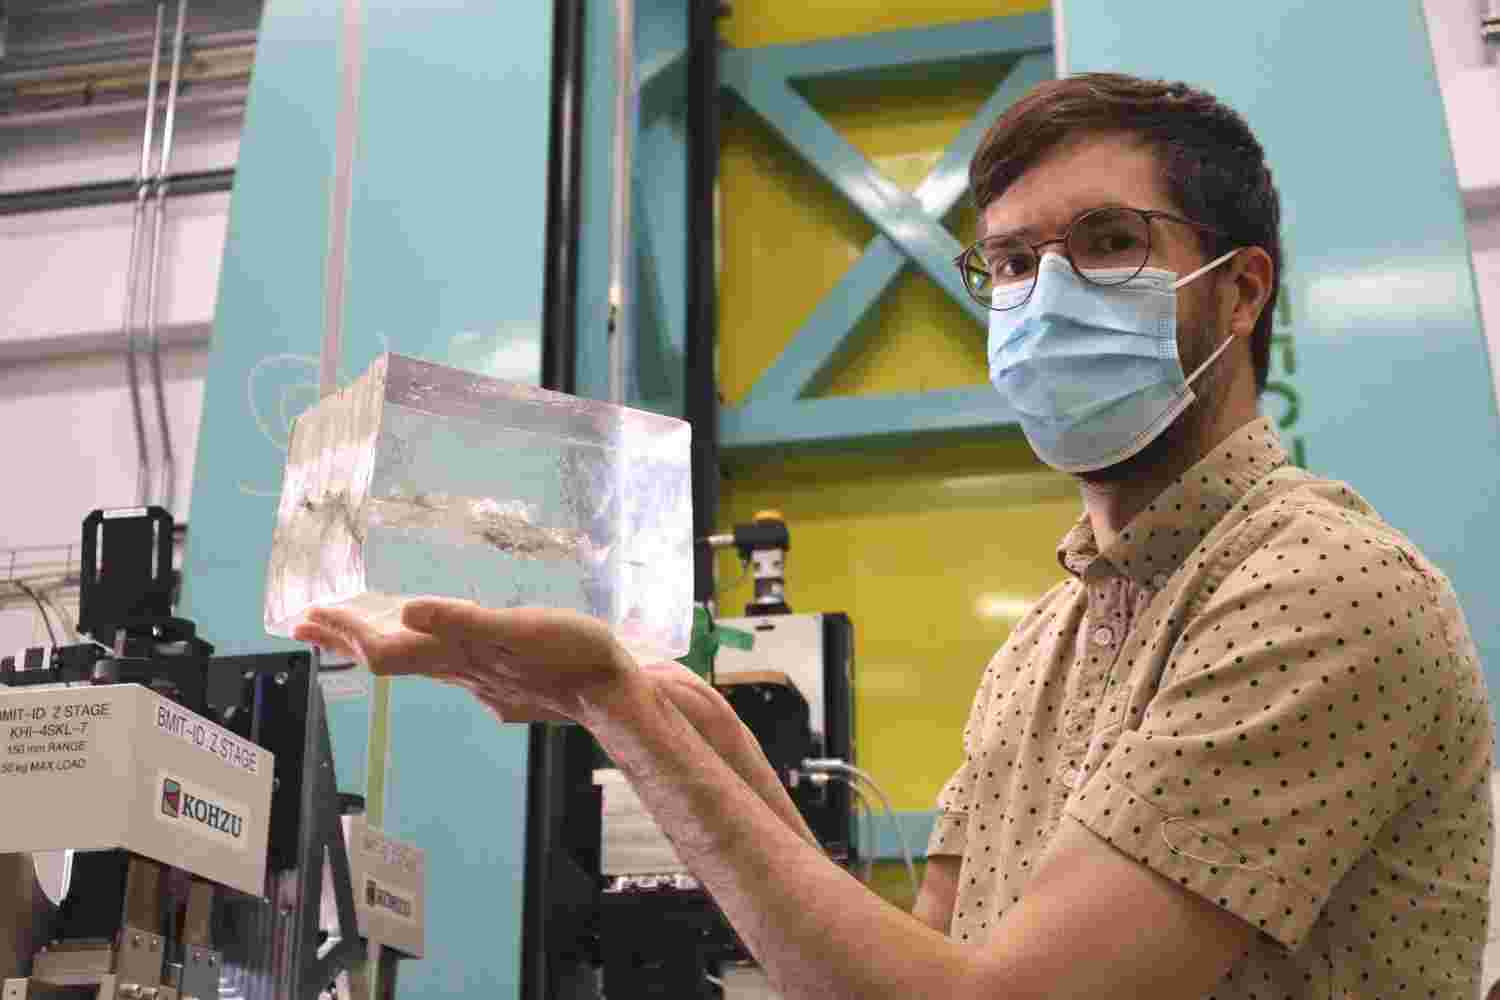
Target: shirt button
(1104, 636)
(1159, 581)
(1070, 777)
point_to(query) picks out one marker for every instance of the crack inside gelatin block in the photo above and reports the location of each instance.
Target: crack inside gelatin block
(423, 480)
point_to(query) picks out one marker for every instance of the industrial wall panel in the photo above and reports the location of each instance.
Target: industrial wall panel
(1391, 376)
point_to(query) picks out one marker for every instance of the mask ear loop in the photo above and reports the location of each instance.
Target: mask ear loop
(1211, 359)
(1227, 340)
(1205, 268)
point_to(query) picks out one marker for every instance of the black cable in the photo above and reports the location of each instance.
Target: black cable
(110, 192)
(40, 607)
(70, 631)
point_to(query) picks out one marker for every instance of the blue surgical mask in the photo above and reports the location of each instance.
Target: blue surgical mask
(1092, 370)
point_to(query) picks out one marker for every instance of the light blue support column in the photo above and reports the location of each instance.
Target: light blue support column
(1392, 376)
(263, 367)
(447, 227)
(448, 230)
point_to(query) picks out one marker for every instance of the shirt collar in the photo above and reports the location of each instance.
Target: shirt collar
(1159, 538)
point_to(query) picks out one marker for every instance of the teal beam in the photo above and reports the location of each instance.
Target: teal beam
(850, 420)
(663, 85)
(833, 332)
(917, 50)
(658, 334)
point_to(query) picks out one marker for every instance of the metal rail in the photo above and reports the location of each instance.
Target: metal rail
(110, 192)
(56, 561)
(26, 563)
(42, 65)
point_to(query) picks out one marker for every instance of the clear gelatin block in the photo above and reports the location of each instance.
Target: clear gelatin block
(423, 480)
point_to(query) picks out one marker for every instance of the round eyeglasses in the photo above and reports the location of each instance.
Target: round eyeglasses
(1115, 239)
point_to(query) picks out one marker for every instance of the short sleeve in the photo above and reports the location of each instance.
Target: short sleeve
(1291, 723)
(950, 829)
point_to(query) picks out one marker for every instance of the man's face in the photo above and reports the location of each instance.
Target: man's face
(1118, 169)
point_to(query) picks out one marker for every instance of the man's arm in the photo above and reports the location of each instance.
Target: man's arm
(1097, 923)
(719, 725)
(716, 721)
(721, 728)
(1093, 917)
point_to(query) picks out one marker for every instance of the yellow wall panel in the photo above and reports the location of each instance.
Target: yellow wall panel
(934, 566)
(787, 238)
(921, 341)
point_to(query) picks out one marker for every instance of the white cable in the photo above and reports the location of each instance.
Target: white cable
(345, 159)
(838, 767)
(137, 227)
(868, 812)
(127, 328)
(622, 257)
(153, 274)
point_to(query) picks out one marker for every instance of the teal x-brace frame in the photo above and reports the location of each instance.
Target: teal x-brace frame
(780, 408)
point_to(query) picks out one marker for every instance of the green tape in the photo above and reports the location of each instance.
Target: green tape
(735, 638)
(707, 638)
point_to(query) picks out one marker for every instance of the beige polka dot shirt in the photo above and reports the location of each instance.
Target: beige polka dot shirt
(1265, 693)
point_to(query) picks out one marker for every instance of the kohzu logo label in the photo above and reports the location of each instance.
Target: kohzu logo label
(201, 812)
(377, 895)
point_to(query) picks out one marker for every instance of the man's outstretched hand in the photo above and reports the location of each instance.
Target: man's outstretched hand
(526, 664)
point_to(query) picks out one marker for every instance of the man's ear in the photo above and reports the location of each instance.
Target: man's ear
(1253, 277)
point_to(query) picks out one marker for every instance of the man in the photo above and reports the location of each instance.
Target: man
(1242, 750)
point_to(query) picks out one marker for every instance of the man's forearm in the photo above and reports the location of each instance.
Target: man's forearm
(813, 927)
(722, 729)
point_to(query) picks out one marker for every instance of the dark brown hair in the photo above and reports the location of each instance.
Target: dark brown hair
(1212, 165)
